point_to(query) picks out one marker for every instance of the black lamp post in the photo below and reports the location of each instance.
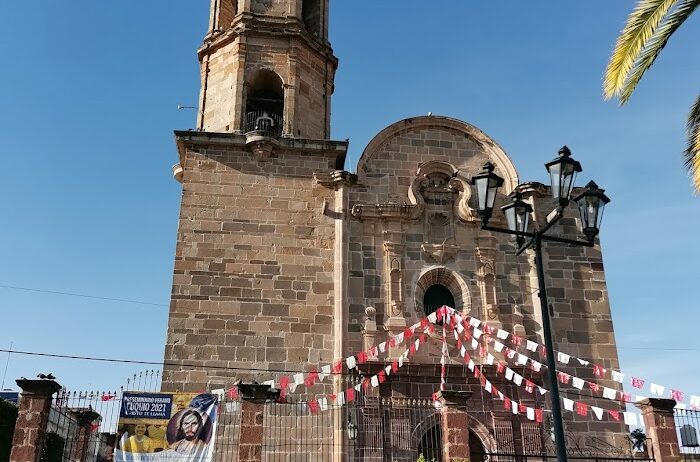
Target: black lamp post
(591, 202)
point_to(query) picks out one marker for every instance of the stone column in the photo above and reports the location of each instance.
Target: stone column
(253, 399)
(660, 428)
(33, 417)
(455, 425)
(84, 419)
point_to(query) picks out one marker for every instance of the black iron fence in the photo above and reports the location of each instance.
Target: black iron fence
(687, 426)
(264, 122)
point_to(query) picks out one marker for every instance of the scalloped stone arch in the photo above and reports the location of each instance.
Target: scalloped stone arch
(495, 153)
(452, 280)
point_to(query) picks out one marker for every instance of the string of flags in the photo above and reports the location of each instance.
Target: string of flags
(578, 407)
(598, 370)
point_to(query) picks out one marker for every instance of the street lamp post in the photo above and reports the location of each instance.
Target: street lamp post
(591, 203)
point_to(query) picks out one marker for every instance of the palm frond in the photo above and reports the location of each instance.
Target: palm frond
(692, 152)
(670, 23)
(639, 28)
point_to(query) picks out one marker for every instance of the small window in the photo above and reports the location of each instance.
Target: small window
(436, 296)
(311, 15)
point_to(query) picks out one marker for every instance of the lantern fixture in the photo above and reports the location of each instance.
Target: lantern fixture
(591, 203)
(486, 186)
(562, 172)
(518, 216)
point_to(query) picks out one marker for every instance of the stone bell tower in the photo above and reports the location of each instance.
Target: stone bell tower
(267, 58)
(253, 287)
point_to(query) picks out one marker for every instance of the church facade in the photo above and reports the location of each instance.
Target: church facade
(285, 260)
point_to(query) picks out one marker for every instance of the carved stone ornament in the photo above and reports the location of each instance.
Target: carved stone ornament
(261, 145)
(440, 253)
(388, 211)
(334, 179)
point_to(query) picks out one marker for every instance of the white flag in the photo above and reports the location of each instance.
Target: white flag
(323, 404)
(374, 381)
(475, 344)
(455, 334)
(681, 406)
(522, 359)
(498, 346)
(514, 405)
(609, 393)
(598, 412)
(471, 365)
(578, 383)
(387, 369)
(531, 346)
(639, 398)
(487, 387)
(517, 378)
(583, 362)
(536, 365)
(432, 317)
(350, 361)
(399, 338)
(474, 322)
(460, 328)
(502, 334)
(509, 373)
(299, 378)
(382, 347)
(568, 404)
(695, 400)
(417, 344)
(490, 359)
(402, 358)
(630, 418)
(657, 389)
(340, 398)
(462, 351)
(500, 396)
(358, 387)
(325, 372)
(531, 413)
(541, 390)
(477, 333)
(617, 376)
(563, 358)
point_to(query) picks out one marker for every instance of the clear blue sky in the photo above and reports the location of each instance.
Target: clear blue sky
(88, 96)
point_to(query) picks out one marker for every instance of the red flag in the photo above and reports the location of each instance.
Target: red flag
(332, 397)
(516, 340)
(614, 414)
(459, 343)
(489, 329)
(424, 323)
(563, 377)
(422, 338)
(338, 367)
(361, 357)
(435, 396)
(311, 378)
(233, 393)
(494, 390)
(107, 397)
(431, 328)
(391, 343)
(467, 357)
(408, 333)
(313, 406)
(581, 408)
(500, 367)
(598, 371)
(677, 395)
(412, 348)
(539, 416)
(350, 394)
(625, 397)
(373, 351)
(394, 366)
(477, 372)
(506, 403)
(381, 376)
(366, 383)
(94, 427)
(529, 386)
(594, 386)
(543, 351)
(522, 408)
(637, 383)
(483, 351)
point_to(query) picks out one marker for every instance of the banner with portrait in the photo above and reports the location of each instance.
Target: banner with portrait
(166, 427)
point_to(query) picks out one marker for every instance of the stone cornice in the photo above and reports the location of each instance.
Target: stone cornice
(287, 146)
(247, 24)
(334, 179)
(387, 212)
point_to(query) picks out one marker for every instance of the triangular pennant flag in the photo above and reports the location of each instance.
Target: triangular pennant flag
(475, 344)
(517, 378)
(583, 362)
(361, 357)
(598, 371)
(490, 359)
(677, 395)
(598, 412)
(509, 373)
(325, 372)
(500, 367)
(471, 365)
(531, 346)
(382, 347)
(498, 346)
(563, 377)
(338, 367)
(541, 390)
(487, 387)
(474, 322)
(594, 386)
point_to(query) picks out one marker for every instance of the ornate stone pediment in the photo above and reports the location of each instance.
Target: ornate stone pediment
(440, 253)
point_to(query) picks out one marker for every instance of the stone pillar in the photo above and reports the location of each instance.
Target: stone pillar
(33, 417)
(660, 428)
(84, 419)
(253, 399)
(455, 425)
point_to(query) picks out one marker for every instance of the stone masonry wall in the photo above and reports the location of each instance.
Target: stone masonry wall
(253, 278)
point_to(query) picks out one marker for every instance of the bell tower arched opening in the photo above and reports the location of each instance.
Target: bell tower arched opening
(311, 16)
(265, 103)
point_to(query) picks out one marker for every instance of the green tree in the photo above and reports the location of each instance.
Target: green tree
(645, 34)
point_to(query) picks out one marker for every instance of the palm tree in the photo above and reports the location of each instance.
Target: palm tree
(645, 34)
